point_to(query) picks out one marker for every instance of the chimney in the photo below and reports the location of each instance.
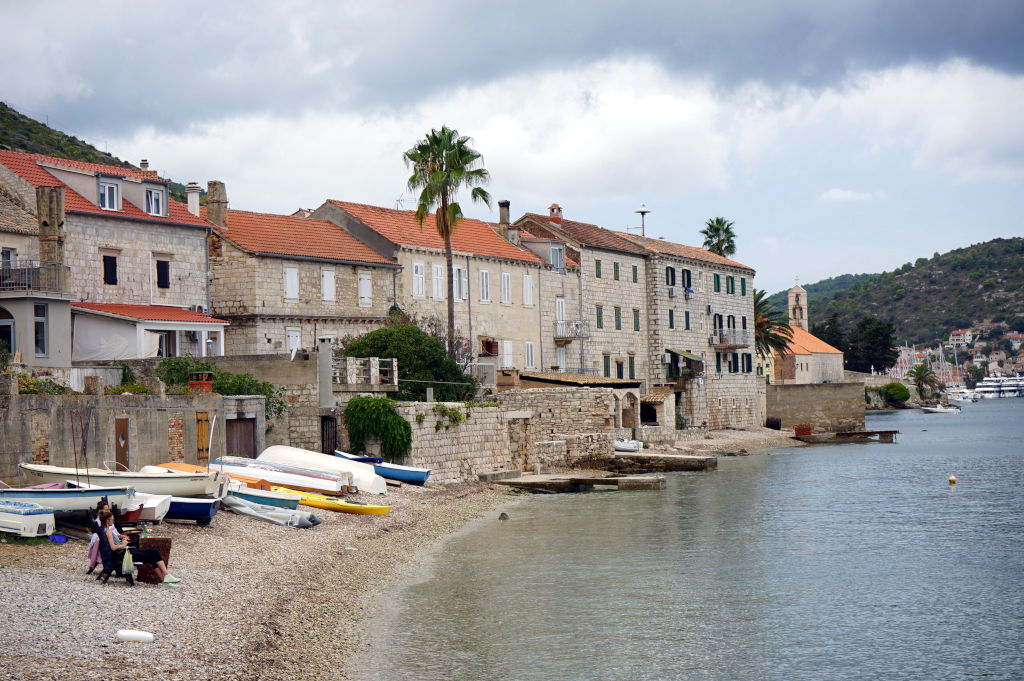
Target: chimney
(144, 165)
(217, 203)
(144, 169)
(54, 272)
(192, 191)
(510, 232)
(555, 212)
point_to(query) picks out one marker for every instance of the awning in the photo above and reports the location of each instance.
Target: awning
(687, 355)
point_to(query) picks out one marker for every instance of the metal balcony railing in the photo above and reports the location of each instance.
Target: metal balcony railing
(566, 329)
(588, 371)
(32, 275)
(729, 338)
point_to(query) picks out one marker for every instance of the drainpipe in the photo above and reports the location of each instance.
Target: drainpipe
(579, 278)
(394, 287)
(209, 232)
(469, 306)
(540, 316)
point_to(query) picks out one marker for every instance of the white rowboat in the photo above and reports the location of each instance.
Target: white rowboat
(363, 476)
(162, 482)
(25, 519)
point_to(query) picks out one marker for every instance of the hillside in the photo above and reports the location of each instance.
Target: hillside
(926, 300)
(21, 133)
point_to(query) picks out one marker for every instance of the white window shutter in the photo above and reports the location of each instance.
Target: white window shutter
(440, 292)
(418, 280)
(465, 284)
(327, 285)
(506, 287)
(527, 289)
(365, 290)
(291, 283)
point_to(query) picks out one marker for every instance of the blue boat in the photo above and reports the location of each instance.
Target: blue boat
(391, 471)
(25, 519)
(199, 509)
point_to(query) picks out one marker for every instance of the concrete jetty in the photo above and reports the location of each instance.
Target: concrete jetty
(560, 482)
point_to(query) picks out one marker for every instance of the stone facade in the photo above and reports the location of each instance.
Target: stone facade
(614, 308)
(249, 291)
(827, 407)
(565, 352)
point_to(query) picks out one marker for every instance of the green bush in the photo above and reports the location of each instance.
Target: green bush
(174, 371)
(27, 385)
(368, 417)
(895, 393)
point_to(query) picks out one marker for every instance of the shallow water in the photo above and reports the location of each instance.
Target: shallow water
(854, 561)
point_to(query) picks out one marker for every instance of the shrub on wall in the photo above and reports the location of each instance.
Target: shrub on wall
(368, 417)
(896, 393)
(174, 371)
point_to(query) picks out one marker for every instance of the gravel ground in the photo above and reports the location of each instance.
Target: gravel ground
(256, 601)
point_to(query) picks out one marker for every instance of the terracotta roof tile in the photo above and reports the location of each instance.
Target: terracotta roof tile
(588, 234)
(14, 218)
(27, 166)
(400, 226)
(577, 379)
(304, 237)
(672, 248)
(804, 343)
(155, 313)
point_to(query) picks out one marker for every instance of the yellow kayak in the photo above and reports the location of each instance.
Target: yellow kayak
(333, 503)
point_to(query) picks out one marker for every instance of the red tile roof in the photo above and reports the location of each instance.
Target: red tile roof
(305, 237)
(679, 250)
(401, 227)
(27, 167)
(14, 218)
(804, 343)
(150, 313)
(588, 234)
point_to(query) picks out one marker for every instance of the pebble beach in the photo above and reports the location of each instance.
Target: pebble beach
(256, 601)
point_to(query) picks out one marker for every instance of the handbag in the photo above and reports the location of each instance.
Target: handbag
(127, 565)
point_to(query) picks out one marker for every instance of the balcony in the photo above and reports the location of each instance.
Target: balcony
(33, 276)
(570, 330)
(729, 338)
(364, 374)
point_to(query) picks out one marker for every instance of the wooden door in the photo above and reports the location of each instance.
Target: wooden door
(202, 437)
(241, 437)
(328, 434)
(121, 444)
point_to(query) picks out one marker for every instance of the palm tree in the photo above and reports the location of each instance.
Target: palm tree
(719, 237)
(442, 163)
(772, 332)
(924, 378)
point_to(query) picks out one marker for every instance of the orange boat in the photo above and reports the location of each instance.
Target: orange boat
(248, 481)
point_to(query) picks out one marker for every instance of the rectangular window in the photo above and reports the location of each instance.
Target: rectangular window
(671, 319)
(294, 338)
(291, 283)
(600, 317)
(527, 289)
(7, 258)
(730, 285)
(110, 270)
(615, 271)
(528, 346)
(619, 370)
(39, 316)
(607, 366)
(743, 286)
(597, 269)
(365, 290)
(744, 320)
(440, 290)
(558, 258)
(108, 196)
(560, 357)
(460, 282)
(635, 276)
(327, 287)
(618, 319)
(506, 355)
(686, 320)
(718, 362)
(560, 309)
(687, 281)
(718, 283)
(485, 286)
(419, 280)
(636, 320)
(506, 288)
(670, 276)
(632, 366)
(155, 201)
(163, 274)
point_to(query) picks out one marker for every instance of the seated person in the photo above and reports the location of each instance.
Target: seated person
(94, 540)
(119, 542)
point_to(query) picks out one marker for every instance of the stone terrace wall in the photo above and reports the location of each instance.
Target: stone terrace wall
(582, 418)
(826, 406)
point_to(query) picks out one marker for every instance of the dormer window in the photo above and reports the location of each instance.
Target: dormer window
(558, 257)
(155, 201)
(108, 196)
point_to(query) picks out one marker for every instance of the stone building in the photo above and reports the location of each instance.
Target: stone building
(286, 282)
(607, 331)
(496, 282)
(700, 333)
(131, 259)
(808, 359)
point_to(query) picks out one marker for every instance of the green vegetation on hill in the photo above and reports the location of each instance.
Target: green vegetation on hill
(21, 133)
(931, 297)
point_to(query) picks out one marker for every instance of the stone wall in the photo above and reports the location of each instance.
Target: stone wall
(610, 293)
(830, 407)
(582, 418)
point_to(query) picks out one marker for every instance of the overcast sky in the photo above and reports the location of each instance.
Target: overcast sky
(838, 136)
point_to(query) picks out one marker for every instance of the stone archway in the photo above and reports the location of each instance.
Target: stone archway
(630, 410)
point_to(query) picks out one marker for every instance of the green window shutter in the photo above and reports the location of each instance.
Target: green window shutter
(597, 269)
(718, 362)
(632, 366)
(615, 271)
(735, 362)
(636, 320)
(743, 286)
(600, 317)
(635, 279)
(718, 283)
(618, 319)
(607, 366)
(687, 281)
(686, 320)
(671, 319)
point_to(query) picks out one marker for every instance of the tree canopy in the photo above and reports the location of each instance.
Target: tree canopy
(831, 331)
(443, 163)
(422, 362)
(772, 332)
(719, 236)
(870, 345)
(924, 379)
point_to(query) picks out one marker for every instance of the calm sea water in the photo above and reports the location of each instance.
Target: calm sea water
(854, 561)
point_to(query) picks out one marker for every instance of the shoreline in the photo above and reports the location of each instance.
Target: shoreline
(256, 601)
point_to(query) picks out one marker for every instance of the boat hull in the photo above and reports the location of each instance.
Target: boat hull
(174, 483)
(273, 474)
(390, 471)
(286, 500)
(67, 500)
(25, 519)
(189, 508)
(363, 475)
(628, 445)
(335, 504)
